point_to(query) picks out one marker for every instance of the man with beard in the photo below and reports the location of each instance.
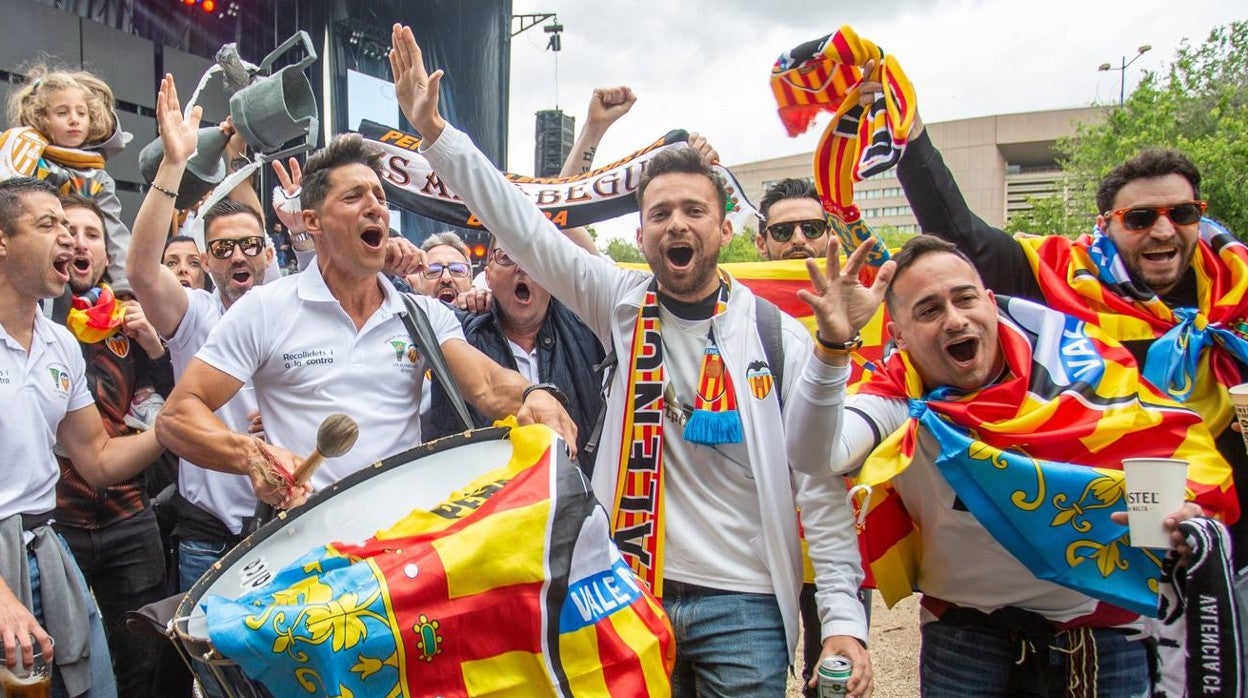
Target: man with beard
(794, 224)
(43, 387)
(211, 506)
(705, 508)
(981, 379)
(528, 331)
(112, 531)
(1162, 280)
(447, 271)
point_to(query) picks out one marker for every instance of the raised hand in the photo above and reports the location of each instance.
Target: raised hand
(179, 135)
(842, 305)
(610, 103)
(415, 88)
(402, 257)
(291, 185)
(704, 148)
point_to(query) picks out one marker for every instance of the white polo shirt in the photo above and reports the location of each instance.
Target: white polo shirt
(296, 344)
(226, 496)
(37, 389)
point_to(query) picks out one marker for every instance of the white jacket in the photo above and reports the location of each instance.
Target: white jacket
(608, 298)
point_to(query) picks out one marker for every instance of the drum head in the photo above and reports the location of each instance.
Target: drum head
(350, 511)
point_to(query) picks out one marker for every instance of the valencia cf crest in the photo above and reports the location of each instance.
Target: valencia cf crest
(758, 374)
(119, 344)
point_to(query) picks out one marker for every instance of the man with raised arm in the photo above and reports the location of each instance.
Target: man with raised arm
(211, 505)
(332, 339)
(701, 498)
(982, 390)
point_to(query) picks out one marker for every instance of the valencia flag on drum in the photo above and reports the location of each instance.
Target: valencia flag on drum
(509, 587)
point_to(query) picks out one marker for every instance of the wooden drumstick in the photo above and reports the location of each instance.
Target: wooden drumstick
(334, 438)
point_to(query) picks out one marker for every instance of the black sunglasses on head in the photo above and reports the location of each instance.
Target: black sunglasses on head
(222, 248)
(813, 229)
(1139, 218)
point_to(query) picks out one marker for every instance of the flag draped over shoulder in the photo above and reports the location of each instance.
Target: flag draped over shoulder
(826, 75)
(1037, 458)
(1193, 358)
(509, 587)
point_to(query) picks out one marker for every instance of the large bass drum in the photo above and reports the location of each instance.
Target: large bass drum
(351, 511)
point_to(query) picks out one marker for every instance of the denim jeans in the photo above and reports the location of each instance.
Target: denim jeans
(728, 644)
(966, 662)
(195, 557)
(102, 683)
(125, 566)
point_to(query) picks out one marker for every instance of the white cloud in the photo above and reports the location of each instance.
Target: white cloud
(703, 65)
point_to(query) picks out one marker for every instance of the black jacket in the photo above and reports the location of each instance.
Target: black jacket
(567, 353)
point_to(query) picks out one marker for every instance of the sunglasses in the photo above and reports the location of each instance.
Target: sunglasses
(501, 258)
(435, 270)
(1143, 217)
(813, 229)
(223, 248)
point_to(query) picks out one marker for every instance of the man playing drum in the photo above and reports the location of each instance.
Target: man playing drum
(332, 339)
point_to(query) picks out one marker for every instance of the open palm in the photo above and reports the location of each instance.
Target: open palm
(841, 304)
(180, 135)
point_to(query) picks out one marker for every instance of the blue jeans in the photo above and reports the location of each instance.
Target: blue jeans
(966, 662)
(102, 683)
(195, 557)
(729, 644)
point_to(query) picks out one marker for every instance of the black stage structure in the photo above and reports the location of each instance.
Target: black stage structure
(132, 43)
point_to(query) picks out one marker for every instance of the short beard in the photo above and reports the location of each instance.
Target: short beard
(78, 291)
(1137, 274)
(684, 283)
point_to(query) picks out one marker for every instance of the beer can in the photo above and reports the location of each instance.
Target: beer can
(834, 673)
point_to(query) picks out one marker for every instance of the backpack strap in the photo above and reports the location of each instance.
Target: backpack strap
(767, 318)
(421, 332)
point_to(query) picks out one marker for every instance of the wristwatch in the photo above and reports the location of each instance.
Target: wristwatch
(548, 387)
(854, 344)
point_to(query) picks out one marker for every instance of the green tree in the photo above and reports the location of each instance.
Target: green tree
(1198, 105)
(622, 250)
(891, 236)
(1055, 213)
(741, 248)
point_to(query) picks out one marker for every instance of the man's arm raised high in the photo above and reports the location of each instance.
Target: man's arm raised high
(164, 301)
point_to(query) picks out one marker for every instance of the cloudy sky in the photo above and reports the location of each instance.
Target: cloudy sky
(703, 65)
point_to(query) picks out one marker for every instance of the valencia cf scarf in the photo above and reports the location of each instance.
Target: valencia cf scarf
(826, 75)
(23, 151)
(1196, 349)
(1199, 644)
(96, 315)
(1037, 458)
(637, 514)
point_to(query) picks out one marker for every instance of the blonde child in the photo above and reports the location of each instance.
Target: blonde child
(67, 130)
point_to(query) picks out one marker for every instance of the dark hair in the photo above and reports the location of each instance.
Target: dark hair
(345, 149)
(1150, 163)
(69, 201)
(181, 238)
(787, 189)
(230, 207)
(915, 249)
(12, 193)
(682, 161)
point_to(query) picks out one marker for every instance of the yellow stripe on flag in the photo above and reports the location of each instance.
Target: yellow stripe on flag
(581, 663)
(518, 674)
(506, 536)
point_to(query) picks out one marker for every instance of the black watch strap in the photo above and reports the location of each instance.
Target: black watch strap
(548, 387)
(852, 345)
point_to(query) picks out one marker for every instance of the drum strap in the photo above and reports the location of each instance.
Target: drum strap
(417, 323)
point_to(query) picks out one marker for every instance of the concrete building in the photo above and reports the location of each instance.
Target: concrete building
(998, 161)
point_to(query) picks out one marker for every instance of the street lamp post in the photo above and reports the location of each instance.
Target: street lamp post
(1122, 71)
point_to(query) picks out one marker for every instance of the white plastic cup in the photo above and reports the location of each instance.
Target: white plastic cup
(1239, 398)
(1155, 488)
